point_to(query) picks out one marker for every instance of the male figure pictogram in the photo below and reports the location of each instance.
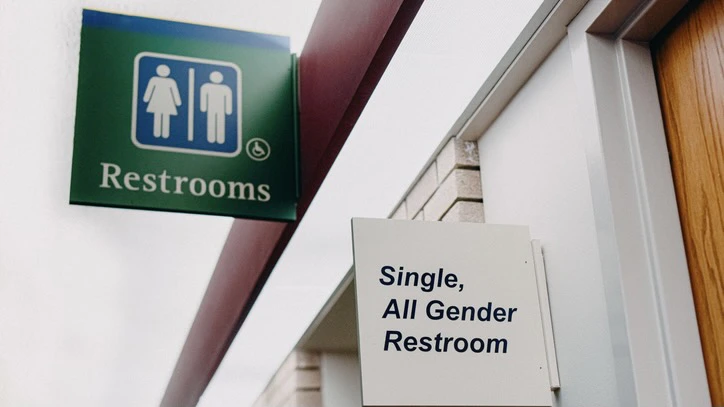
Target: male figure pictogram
(217, 102)
(162, 97)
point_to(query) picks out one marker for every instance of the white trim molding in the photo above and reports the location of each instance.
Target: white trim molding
(652, 319)
(544, 31)
(651, 316)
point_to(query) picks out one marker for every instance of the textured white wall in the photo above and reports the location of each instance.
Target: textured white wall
(95, 303)
(534, 172)
(341, 380)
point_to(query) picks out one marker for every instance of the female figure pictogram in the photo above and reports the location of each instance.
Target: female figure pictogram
(162, 97)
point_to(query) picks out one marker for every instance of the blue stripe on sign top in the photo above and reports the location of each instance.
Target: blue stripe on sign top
(122, 22)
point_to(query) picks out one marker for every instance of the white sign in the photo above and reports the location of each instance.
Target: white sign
(448, 315)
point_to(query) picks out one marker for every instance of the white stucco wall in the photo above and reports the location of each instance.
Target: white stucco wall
(533, 170)
(341, 380)
(95, 303)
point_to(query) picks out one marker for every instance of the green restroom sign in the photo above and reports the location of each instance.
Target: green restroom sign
(186, 118)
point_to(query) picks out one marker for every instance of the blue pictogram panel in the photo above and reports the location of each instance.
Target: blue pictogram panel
(186, 105)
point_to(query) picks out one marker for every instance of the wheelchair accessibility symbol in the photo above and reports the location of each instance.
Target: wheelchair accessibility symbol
(258, 149)
(186, 105)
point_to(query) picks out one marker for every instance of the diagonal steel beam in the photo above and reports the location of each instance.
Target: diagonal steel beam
(348, 49)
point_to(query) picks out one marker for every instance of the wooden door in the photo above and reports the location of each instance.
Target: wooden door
(689, 61)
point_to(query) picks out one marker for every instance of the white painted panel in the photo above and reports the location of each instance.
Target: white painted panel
(341, 380)
(534, 172)
(448, 315)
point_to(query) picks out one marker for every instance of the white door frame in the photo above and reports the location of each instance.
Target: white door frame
(652, 318)
(651, 315)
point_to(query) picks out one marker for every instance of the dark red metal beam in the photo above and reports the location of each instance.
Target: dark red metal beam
(348, 49)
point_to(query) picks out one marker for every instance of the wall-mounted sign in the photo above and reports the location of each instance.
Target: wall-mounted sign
(448, 315)
(180, 117)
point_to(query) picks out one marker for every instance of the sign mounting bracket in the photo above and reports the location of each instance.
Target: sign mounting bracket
(545, 307)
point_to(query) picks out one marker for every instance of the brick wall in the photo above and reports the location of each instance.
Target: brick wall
(295, 384)
(449, 188)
